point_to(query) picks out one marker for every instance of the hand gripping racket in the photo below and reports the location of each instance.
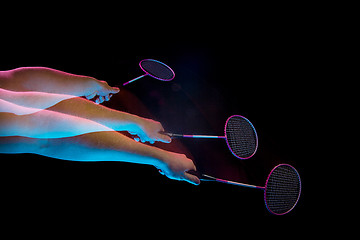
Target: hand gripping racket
(154, 69)
(282, 188)
(240, 136)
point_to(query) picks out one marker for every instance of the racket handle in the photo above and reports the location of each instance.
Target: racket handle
(171, 134)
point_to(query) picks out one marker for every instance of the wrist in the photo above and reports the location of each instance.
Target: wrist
(132, 123)
(135, 123)
(151, 155)
(90, 84)
(161, 158)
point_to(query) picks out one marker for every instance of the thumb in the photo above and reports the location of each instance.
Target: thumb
(114, 90)
(192, 179)
(164, 138)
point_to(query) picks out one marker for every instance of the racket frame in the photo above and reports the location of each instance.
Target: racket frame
(149, 74)
(226, 138)
(272, 170)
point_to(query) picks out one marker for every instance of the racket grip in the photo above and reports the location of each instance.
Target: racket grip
(172, 135)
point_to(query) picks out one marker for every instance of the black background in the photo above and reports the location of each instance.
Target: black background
(259, 71)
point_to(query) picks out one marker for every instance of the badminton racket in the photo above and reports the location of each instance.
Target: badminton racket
(154, 69)
(240, 136)
(281, 191)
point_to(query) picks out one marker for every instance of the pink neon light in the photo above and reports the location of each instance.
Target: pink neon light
(189, 136)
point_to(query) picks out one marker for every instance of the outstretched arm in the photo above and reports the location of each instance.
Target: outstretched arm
(23, 103)
(36, 123)
(148, 130)
(104, 146)
(41, 79)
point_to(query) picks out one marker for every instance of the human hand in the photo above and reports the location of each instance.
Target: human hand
(175, 166)
(149, 130)
(102, 90)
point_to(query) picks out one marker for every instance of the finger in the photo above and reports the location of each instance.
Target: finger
(164, 138)
(101, 99)
(144, 138)
(109, 89)
(192, 179)
(91, 96)
(97, 100)
(114, 90)
(107, 97)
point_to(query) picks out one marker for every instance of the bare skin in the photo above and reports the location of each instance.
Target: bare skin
(100, 145)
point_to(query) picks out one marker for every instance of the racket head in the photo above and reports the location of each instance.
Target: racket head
(157, 69)
(241, 137)
(282, 189)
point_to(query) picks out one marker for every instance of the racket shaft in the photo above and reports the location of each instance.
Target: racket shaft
(202, 136)
(192, 136)
(134, 79)
(207, 177)
(238, 184)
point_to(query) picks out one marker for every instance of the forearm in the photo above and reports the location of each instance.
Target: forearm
(17, 144)
(104, 146)
(38, 100)
(46, 124)
(117, 120)
(100, 146)
(41, 79)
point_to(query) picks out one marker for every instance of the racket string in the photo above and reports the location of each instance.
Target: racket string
(157, 69)
(241, 137)
(282, 189)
